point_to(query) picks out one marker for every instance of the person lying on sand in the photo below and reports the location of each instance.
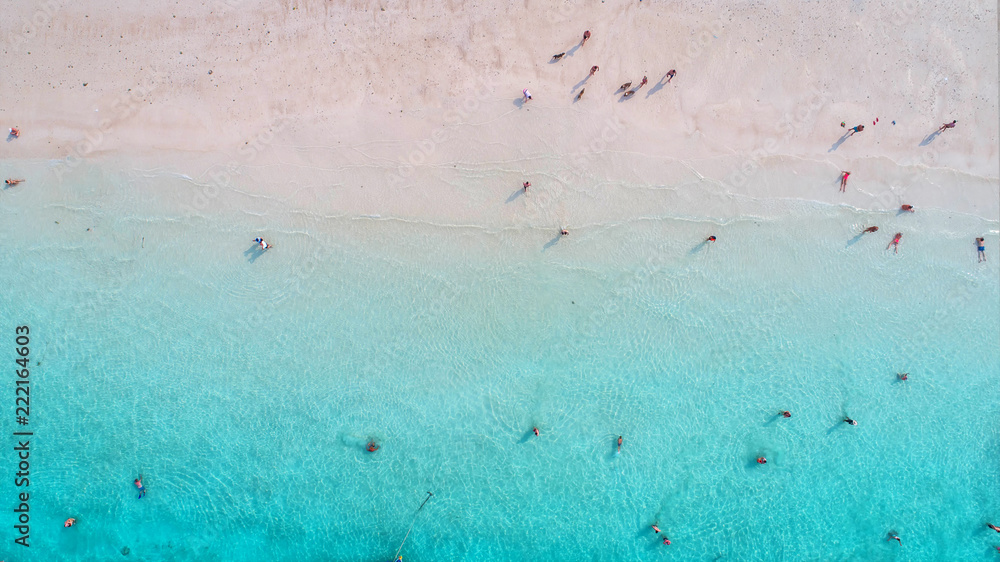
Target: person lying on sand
(628, 93)
(907, 208)
(948, 125)
(624, 86)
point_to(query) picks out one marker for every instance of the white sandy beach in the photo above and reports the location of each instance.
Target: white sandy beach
(412, 109)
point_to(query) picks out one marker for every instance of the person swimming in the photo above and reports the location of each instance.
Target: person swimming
(138, 484)
(761, 460)
(619, 443)
(69, 522)
(666, 541)
(850, 421)
(372, 447)
(655, 528)
(870, 229)
(535, 429)
(994, 527)
(981, 249)
(786, 413)
(903, 376)
(895, 537)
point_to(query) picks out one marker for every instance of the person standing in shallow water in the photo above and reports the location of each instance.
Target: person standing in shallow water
(138, 484)
(619, 443)
(981, 249)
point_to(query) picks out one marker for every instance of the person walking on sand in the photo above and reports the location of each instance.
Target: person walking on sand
(850, 421)
(586, 35)
(15, 132)
(895, 242)
(642, 83)
(594, 69)
(527, 95)
(870, 229)
(948, 125)
(527, 184)
(12, 182)
(907, 208)
(670, 75)
(981, 249)
(857, 129)
(263, 245)
(619, 443)
(138, 484)
(843, 180)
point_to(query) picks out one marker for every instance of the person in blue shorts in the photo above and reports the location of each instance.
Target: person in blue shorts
(138, 484)
(981, 248)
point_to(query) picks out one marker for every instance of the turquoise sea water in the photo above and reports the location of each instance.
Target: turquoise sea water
(244, 388)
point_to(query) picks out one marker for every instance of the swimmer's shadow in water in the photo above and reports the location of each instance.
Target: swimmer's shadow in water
(552, 242)
(855, 240)
(526, 437)
(699, 247)
(253, 252)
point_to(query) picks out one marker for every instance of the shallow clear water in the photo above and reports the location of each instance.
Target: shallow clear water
(243, 387)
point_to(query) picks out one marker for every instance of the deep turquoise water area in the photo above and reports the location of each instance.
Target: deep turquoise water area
(244, 390)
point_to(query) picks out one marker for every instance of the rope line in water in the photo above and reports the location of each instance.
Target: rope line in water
(396, 557)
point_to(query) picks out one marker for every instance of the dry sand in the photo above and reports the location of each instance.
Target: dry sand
(412, 108)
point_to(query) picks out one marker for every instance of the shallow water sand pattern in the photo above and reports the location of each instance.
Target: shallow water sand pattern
(245, 391)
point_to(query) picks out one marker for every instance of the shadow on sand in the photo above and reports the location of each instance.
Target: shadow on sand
(930, 138)
(840, 141)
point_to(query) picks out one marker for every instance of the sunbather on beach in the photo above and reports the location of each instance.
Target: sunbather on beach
(948, 125)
